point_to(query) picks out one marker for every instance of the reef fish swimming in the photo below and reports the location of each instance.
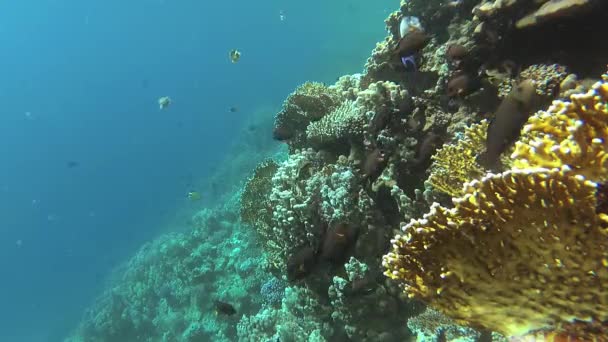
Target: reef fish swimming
(224, 308)
(509, 119)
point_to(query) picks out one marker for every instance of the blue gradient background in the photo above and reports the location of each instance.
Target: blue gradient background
(89, 74)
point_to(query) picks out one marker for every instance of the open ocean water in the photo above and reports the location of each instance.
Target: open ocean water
(91, 167)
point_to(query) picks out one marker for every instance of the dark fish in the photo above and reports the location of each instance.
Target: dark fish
(374, 163)
(224, 308)
(360, 287)
(300, 264)
(233, 109)
(72, 164)
(411, 43)
(427, 148)
(282, 133)
(441, 336)
(462, 85)
(336, 242)
(509, 119)
(456, 52)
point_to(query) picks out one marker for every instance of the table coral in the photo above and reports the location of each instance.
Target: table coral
(522, 241)
(572, 132)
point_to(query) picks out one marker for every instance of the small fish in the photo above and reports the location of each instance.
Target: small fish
(336, 242)
(194, 196)
(374, 164)
(360, 287)
(164, 102)
(282, 133)
(233, 109)
(300, 264)
(235, 55)
(462, 85)
(409, 62)
(224, 308)
(509, 119)
(427, 148)
(456, 52)
(412, 42)
(72, 164)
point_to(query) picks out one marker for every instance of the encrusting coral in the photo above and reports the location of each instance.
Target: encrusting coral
(526, 249)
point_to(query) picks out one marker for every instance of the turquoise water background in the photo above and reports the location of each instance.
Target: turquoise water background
(80, 82)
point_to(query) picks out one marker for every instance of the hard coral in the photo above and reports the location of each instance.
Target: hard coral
(553, 9)
(521, 250)
(344, 122)
(309, 102)
(256, 209)
(572, 132)
(454, 164)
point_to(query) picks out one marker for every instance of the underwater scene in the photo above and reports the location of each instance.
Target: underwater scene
(282, 171)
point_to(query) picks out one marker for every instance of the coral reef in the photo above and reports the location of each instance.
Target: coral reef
(572, 133)
(548, 209)
(167, 289)
(516, 243)
(454, 164)
(309, 102)
(431, 325)
(301, 318)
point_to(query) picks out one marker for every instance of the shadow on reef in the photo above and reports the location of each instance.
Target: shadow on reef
(576, 41)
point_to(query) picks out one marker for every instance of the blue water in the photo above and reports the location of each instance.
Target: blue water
(79, 82)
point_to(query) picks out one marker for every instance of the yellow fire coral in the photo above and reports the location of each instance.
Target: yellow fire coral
(454, 164)
(572, 132)
(520, 251)
(526, 249)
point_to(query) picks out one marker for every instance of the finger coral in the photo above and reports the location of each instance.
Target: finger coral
(521, 250)
(573, 133)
